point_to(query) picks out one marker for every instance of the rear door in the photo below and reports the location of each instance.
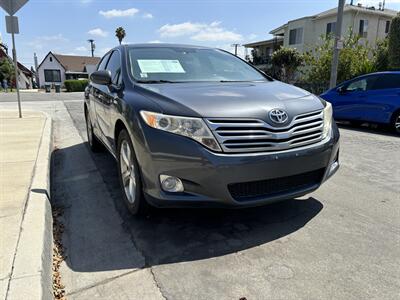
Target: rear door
(383, 98)
(96, 94)
(350, 104)
(109, 98)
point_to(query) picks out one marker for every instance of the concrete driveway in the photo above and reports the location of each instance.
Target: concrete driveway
(340, 242)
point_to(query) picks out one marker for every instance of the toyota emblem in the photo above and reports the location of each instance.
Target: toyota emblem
(278, 116)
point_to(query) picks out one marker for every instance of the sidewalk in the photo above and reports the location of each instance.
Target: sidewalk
(25, 213)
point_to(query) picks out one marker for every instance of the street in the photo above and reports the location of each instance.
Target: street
(340, 242)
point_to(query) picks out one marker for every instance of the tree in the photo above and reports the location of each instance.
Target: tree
(288, 60)
(354, 60)
(6, 70)
(394, 43)
(381, 55)
(120, 34)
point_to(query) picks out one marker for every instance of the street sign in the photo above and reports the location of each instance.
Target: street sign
(12, 24)
(340, 44)
(12, 6)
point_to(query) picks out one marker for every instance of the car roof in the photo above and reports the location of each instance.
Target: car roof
(381, 73)
(367, 75)
(164, 45)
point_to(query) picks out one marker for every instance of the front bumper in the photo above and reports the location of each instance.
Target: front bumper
(207, 175)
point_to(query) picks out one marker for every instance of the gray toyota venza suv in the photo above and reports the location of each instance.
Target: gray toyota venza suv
(195, 126)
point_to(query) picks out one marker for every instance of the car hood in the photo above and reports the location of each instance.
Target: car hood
(230, 100)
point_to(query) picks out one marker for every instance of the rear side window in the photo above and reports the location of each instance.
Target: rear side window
(103, 63)
(114, 66)
(387, 81)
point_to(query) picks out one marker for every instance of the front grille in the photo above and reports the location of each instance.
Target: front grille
(253, 135)
(247, 191)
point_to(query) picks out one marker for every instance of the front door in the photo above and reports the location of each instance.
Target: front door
(350, 102)
(108, 97)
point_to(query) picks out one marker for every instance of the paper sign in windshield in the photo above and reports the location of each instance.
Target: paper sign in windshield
(160, 66)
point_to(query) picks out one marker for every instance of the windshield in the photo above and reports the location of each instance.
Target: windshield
(170, 64)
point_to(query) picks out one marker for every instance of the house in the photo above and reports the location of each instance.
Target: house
(56, 68)
(262, 50)
(25, 76)
(371, 23)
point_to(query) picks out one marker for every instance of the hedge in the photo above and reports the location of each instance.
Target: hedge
(76, 85)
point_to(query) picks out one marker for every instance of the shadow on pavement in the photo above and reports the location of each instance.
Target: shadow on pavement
(368, 128)
(101, 235)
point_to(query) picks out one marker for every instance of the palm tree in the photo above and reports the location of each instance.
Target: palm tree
(120, 34)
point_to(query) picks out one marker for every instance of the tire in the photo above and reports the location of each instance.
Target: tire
(94, 144)
(396, 123)
(355, 123)
(130, 177)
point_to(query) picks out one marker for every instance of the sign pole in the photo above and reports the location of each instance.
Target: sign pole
(11, 7)
(16, 74)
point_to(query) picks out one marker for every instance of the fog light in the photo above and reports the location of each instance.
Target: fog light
(171, 184)
(333, 167)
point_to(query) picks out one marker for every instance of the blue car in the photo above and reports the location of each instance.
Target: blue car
(371, 98)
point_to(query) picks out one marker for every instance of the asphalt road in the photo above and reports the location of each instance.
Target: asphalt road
(340, 242)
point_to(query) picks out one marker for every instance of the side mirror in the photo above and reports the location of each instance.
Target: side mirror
(101, 77)
(341, 90)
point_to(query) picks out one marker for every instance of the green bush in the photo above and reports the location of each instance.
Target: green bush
(287, 60)
(394, 43)
(76, 85)
(381, 55)
(354, 60)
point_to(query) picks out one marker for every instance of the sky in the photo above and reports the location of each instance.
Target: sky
(64, 26)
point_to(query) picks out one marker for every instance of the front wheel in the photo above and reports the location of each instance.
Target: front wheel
(396, 123)
(129, 175)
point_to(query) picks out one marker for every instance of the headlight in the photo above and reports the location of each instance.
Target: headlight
(327, 120)
(193, 128)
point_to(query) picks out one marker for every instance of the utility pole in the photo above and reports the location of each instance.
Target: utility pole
(338, 44)
(236, 47)
(92, 46)
(36, 69)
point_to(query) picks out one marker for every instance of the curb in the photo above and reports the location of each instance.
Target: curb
(32, 273)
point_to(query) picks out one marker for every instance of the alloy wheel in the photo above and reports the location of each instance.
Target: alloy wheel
(397, 124)
(127, 169)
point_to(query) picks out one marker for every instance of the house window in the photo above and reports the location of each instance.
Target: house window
(363, 29)
(387, 27)
(295, 36)
(52, 75)
(51, 59)
(331, 28)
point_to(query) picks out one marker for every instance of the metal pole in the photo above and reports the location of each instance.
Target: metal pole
(336, 50)
(16, 74)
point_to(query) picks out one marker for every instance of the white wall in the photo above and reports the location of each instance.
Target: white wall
(313, 29)
(50, 65)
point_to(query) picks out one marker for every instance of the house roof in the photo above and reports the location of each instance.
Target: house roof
(348, 8)
(21, 67)
(73, 63)
(266, 42)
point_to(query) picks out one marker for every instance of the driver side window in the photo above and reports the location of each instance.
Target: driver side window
(103, 63)
(359, 85)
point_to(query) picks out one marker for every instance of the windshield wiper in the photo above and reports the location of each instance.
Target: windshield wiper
(156, 81)
(233, 81)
